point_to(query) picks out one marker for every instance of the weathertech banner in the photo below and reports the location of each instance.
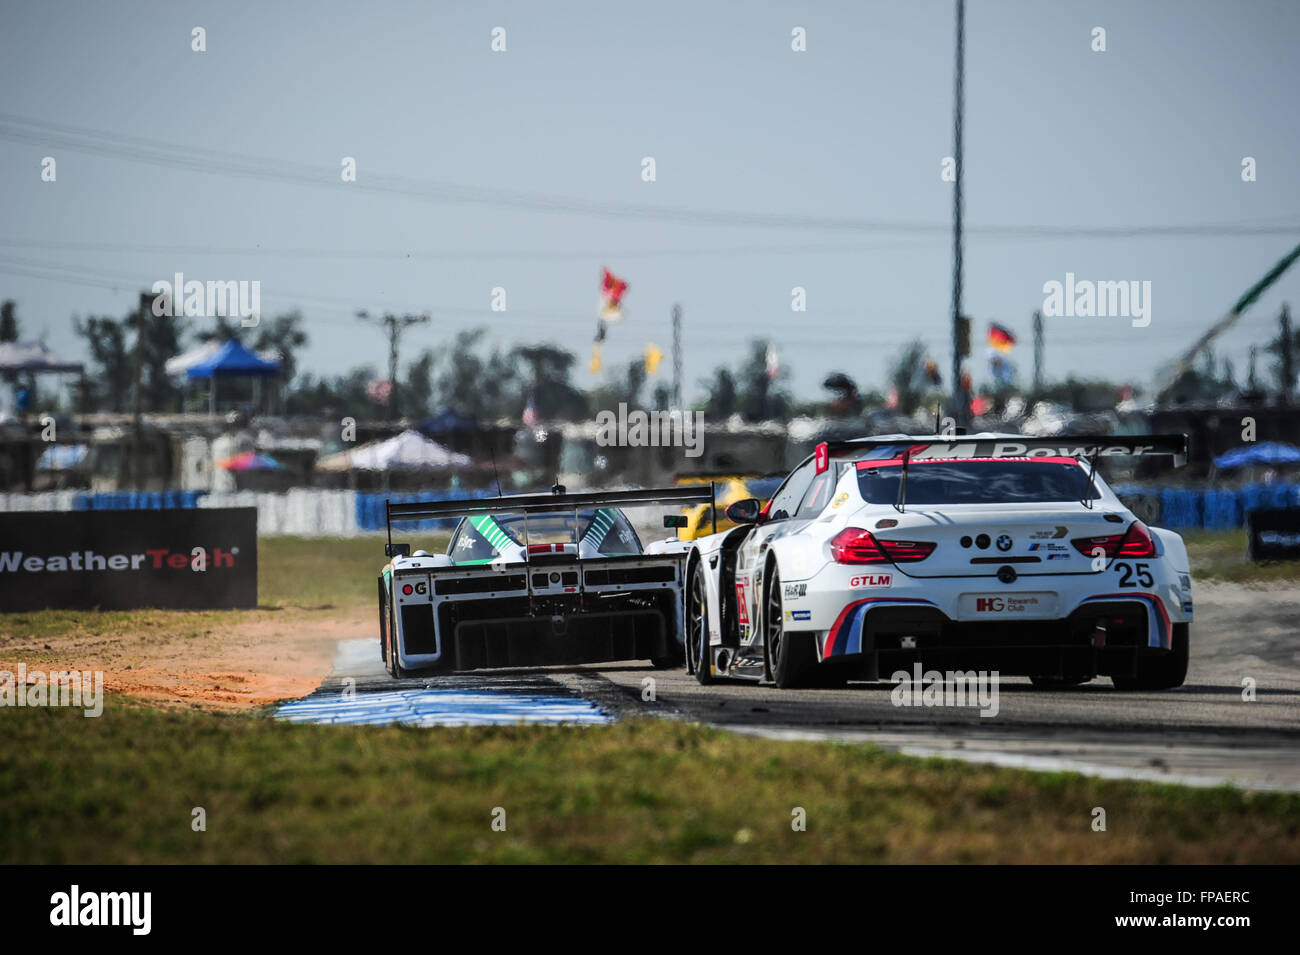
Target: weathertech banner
(190, 559)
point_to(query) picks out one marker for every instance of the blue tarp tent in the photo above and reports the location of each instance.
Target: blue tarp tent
(232, 360)
(1267, 453)
(445, 421)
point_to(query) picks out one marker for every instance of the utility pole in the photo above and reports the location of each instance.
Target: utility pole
(959, 409)
(130, 472)
(677, 356)
(1038, 353)
(393, 325)
(1288, 368)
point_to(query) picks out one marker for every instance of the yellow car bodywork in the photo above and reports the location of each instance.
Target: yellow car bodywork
(699, 519)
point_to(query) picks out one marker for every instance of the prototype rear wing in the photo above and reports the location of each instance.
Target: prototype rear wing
(556, 502)
(934, 447)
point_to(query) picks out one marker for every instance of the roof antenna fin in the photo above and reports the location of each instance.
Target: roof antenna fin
(495, 476)
(902, 482)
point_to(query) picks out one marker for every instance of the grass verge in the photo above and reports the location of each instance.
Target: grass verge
(121, 789)
(1221, 555)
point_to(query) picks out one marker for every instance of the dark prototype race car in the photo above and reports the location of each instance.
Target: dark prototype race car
(535, 580)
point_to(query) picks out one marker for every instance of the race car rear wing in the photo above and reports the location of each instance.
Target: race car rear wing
(559, 500)
(905, 449)
(932, 447)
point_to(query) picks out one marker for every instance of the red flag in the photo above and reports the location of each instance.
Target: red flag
(611, 296)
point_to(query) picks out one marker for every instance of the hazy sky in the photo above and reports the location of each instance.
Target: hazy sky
(1150, 132)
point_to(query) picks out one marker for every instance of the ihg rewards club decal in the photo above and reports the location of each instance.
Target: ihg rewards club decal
(119, 560)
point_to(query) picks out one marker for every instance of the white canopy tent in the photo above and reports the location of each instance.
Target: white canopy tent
(26, 360)
(408, 451)
(33, 357)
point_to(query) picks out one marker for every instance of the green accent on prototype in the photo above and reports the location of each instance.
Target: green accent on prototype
(491, 531)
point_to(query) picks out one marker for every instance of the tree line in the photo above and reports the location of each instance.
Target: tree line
(476, 376)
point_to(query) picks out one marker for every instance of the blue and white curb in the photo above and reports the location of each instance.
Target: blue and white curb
(372, 699)
(429, 707)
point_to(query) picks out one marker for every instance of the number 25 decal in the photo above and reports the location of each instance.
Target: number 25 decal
(1128, 571)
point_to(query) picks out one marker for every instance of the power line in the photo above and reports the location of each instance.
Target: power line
(155, 152)
(462, 254)
(452, 255)
(721, 327)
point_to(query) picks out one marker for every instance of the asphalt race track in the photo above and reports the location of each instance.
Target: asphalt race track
(1204, 733)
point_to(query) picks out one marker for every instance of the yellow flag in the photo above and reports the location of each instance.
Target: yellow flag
(653, 356)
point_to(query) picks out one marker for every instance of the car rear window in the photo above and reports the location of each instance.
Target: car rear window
(976, 482)
(605, 528)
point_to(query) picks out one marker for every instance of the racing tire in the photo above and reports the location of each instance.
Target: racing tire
(383, 622)
(830, 676)
(395, 669)
(1163, 671)
(1057, 682)
(791, 657)
(669, 661)
(697, 626)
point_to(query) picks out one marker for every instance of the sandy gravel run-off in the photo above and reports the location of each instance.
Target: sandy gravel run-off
(267, 656)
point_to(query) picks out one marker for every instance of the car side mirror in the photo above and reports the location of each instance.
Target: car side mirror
(745, 512)
(397, 550)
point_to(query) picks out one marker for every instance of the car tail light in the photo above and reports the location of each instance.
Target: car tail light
(1135, 542)
(1109, 544)
(906, 552)
(853, 545)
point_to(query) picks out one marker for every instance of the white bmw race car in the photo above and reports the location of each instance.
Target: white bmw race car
(986, 551)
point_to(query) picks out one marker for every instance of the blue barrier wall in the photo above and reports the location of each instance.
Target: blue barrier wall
(136, 500)
(1213, 508)
(1179, 508)
(370, 508)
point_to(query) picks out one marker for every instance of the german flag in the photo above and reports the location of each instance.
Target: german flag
(1001, 338)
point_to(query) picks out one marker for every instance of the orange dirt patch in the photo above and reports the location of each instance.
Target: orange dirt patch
(266, 656)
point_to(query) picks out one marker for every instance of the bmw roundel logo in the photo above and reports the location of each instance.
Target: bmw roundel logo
(1004, 542)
